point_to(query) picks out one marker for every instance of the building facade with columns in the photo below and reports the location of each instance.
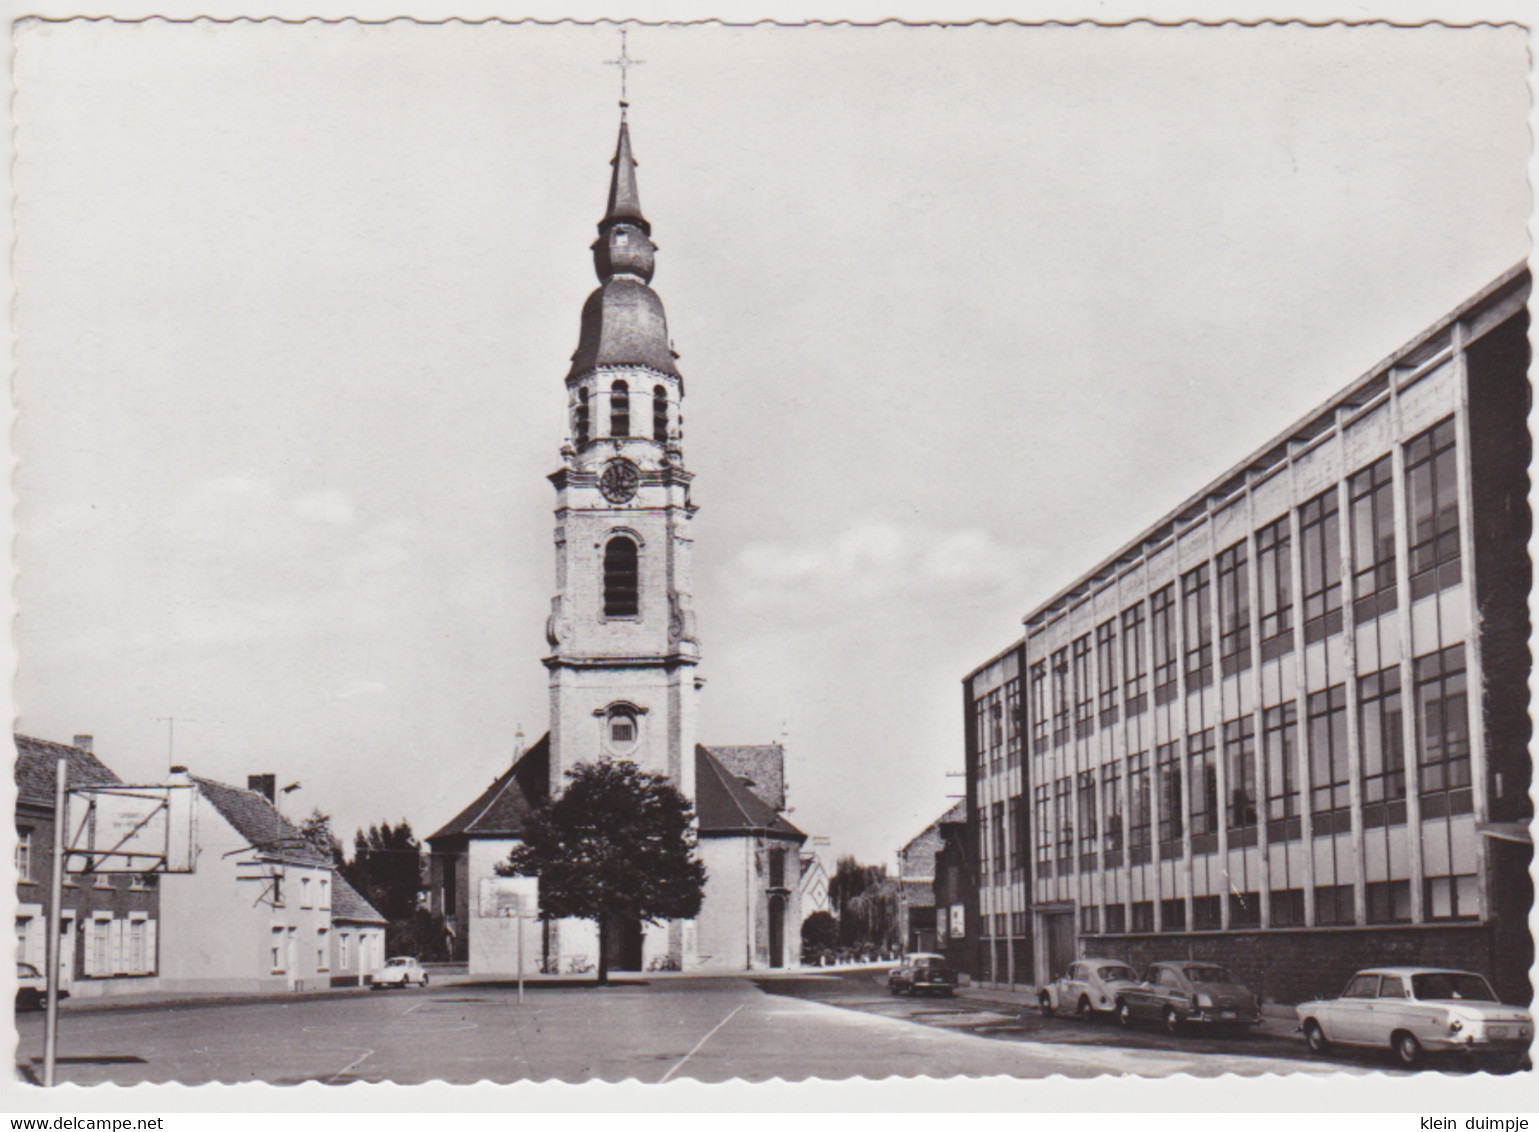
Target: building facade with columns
(1286, 727)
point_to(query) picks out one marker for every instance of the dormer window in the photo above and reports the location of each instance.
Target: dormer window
(619, 409)
(659, 414)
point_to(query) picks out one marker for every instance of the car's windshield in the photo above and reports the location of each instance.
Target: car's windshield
(1210, 975)
(929, 962)
(398, 962)
(1452, 985)
(1117, 971)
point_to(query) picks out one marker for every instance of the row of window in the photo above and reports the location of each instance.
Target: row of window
(997, 725)
(1261, 779)
(619, 413)
(1388, 902)
(285, 950)
(316, 895)
(23, 859)
(1081, 690)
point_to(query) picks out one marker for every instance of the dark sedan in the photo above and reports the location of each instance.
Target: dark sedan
(1176, 993)
(922, 974)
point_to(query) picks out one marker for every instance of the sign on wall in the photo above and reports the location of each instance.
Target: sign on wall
(508, 896)
(958, 921)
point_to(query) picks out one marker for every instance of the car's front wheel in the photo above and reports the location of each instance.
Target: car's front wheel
(1407, 1049)
(1172, 1021)
(424, 978)
(1314, 1037)
(1045, 1003)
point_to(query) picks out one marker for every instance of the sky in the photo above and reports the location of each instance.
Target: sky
(960, 312)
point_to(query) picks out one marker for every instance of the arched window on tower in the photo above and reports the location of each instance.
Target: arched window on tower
(619, 409)
(660, 414)
(580, 423)
(621, 581)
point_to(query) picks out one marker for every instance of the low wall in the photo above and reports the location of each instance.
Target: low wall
(1296, 965)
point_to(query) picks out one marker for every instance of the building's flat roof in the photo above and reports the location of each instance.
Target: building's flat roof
(1267, 456)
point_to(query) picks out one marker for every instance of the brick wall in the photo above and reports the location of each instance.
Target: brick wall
(1298, 965)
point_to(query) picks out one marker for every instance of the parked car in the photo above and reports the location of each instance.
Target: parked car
(1418, 1010)
(1089, 987)
(922, 973)
(32, 988)
(401, 971)
(1175, 993)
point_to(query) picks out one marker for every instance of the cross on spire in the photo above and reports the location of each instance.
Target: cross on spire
(625, 63)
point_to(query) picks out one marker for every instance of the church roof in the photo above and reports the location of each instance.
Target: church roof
(624, 197)
(727, 807)
(623, 324)
(763, 767)
(36, 769)
(348, 904)
(259, 822)
(506, 804)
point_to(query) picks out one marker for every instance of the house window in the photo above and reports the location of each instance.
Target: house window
(344, 950)
(1373, 540)
(304, 892)
(1116, 919)
(1274, 586)
(1106, 671)
(580, 425)
(1089, 919)
(1173, 915)
(1167, 761)
(1111, 806)
(1240, 768)
(621, 578)
(1018, 846)
(1060, 696)
(1382, 742)
(1329, 775)
(1203, 770)
(1042, 801)
(659, 414)
(1206, 911)
(1320, 537)
(137, 960)
(1162, 622)
(1000, 839)
(1279, 739)
(1432, 503)
(24, 856)
(619, 409)
(1287, 907)
(322, 959)
(277, 889)
(1333, 905)
(623, 732)
(1013, 723)
(1088, 833)
(277, 951)
(1143, 915)
(1039, 712)
(1452, 898)
(1138, 802)
(325, 903)
(1234, 609)
(1064, 790)
(1197, 618)
(1443, 732)
(1389, 902)
(1084, 689)
(101, 946)
(1245, 909)
(1133, 674)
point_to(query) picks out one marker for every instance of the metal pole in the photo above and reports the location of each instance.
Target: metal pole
(56, 897)
(518, 910)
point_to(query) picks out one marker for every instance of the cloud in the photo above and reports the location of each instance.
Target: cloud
(358, 688)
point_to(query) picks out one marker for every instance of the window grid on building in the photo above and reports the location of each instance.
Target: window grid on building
(1162, 623)
(1139, 809)
(1133, 673)
(1233, 609)
(1197, 617)
(1320, 565)
(1382, 746)
(1330, 779)
(1167, 761)
(1372, 492)
(1084, 689)
(1240, 777)
(1274, 586)
(1106, 672)
(1443, 733)
(1202, 769)
(1432, 503)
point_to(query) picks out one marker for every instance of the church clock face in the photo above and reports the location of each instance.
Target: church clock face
(619, 480)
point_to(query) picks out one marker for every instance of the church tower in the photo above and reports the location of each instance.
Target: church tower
(621, 628)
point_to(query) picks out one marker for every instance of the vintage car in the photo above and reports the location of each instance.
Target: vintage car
(922, 973)
(401, 971)
(1193, 990)
(1414, 1011)
(32, 988)
(1090, 987)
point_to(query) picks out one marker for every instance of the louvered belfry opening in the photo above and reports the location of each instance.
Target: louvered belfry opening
(621, 584)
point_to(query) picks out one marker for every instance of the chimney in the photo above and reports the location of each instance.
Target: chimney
(179, 776)
(83, 742)
(264, 784)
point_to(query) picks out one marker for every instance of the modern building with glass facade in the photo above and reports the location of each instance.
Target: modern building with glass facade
(1286, 727)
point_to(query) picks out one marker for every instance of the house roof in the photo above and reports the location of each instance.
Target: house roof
(764, 768)
(259, 822)
(726, 806)
(347, 904)
(36, 773)
(504, 807)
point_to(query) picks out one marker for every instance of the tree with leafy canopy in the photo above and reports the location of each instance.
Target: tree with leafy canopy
(317, 832)
(387, 869)
(617, 844)
(820, 933)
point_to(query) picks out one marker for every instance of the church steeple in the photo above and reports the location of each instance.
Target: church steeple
(624, 200)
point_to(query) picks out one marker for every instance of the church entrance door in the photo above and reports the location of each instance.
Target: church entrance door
(777, 931)
(623, 942)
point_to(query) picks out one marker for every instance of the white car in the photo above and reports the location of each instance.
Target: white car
(1089, 987)
(1418, 1010)
(401, 971)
